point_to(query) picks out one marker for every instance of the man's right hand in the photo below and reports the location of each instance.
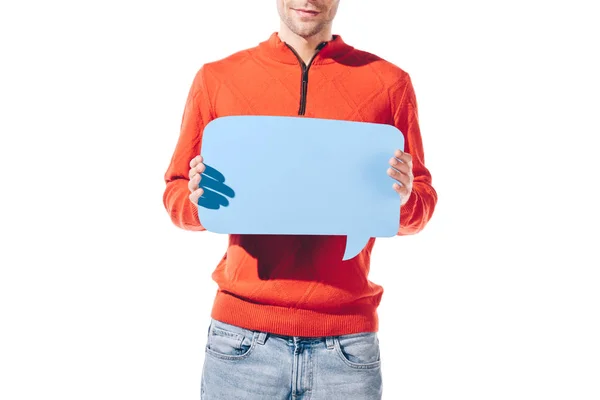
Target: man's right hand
(196, 169)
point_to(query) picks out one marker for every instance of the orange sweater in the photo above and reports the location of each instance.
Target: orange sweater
(286, 284)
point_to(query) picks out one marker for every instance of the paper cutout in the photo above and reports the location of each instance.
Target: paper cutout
(300, 176)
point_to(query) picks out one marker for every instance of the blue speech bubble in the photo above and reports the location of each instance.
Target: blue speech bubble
(300, 176)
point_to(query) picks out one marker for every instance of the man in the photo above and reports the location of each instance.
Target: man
(291, 320)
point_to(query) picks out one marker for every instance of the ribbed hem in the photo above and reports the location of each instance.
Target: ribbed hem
(291, 321)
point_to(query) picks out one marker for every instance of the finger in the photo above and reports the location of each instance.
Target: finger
(404, 157)
(399, 165)
(194, 182)
(198, 169)
(397, 175)
(404, 179)
(195, 161)
(401, 190)
(195, 195)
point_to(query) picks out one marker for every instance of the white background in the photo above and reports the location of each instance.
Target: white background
(102, 297)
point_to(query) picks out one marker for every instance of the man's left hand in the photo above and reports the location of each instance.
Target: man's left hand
(402, 173)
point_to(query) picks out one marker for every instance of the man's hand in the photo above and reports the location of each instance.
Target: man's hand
(402, 173)
(195, 174)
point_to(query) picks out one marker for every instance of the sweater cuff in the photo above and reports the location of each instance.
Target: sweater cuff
(196, 216)
(406, 211)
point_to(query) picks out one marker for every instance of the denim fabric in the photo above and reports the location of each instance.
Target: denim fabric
(253, 365)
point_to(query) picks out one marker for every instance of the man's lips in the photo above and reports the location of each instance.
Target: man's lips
(307, 13)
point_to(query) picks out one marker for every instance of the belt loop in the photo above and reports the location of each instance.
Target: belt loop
(329, 340)
(262, 337)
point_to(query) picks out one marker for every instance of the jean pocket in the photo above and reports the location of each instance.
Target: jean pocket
(229, 342)
(359, 350)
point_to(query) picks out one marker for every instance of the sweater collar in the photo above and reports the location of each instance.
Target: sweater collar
(276, 49)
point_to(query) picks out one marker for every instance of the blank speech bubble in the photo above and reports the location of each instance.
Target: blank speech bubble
(300, 176)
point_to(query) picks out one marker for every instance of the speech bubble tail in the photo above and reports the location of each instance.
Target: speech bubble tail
(354, 245)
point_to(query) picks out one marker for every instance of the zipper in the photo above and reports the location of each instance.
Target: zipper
(304, 81)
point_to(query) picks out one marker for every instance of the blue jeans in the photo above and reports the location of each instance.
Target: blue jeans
(251, 365)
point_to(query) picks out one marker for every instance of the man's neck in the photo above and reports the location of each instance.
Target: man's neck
(305, 47)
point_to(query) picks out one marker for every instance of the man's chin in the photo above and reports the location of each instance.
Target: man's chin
(306, 32)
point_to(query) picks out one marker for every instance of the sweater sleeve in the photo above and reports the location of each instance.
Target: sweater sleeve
(417, 211)
(197, 113)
